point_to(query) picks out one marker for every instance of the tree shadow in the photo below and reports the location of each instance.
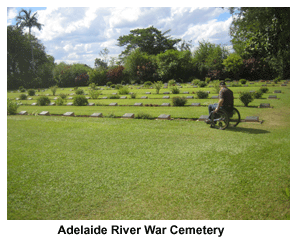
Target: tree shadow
(247, 130)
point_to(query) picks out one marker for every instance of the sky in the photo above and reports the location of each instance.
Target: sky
(78, 34)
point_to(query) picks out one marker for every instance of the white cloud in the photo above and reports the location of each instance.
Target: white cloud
(78, 34)
(11, 14)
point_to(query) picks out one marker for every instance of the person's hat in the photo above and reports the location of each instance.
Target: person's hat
(222, 83)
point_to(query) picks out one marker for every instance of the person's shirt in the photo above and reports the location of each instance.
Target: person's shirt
(228, 97)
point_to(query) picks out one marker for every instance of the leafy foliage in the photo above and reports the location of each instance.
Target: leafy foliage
(43, 100)
(202, 94)
(80, 100)
(23, 97)
(31, 92)
(12, 107)
(246, 97)
(179, 101)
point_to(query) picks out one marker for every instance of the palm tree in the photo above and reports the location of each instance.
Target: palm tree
(25, 20)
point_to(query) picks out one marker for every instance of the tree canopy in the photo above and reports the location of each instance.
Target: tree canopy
(149, 40)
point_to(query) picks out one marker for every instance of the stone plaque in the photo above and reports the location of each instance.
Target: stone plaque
(33, 104)
(251, 83)
(29, 98)
(138, 104)
(44, 113)
(148, 93)
(17, 98)
(264, 85)
(47, 94)
(252, 91)
(165, 104)
(104, 97)
(128, 115)
(186, 92)
(23, 112)
(203, 117)
(70, 98)
(166, 93)
(68, 114)
(164, 117)
(123, 97)
(144, 97)
(283, 85)
(114, 93)
(214, 97)
(91, 104)
(245, 85)
(70, 103)
(277, 91)
(72, 94)
(195, 104)
(113, 104)
(88, 98)
(166, 97)
(211, 86)
(96, 115)
(252, 119)
(189, 97)
(264, 105)
(52, 103)
(272, 97)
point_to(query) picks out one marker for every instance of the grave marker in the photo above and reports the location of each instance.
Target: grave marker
(277, 91)
(186, 92)
(148, 93)
(44, 113)
(96, 115)
(144, 97)
(138, 104)
(29, 98)
(272, 97)
(33, 104)
(189, 97)
(166, 97)
(203, 117)
(123, 97)
(264, 105)
(164, 117)
(91, 104)
(165, 104)
(23, 112)
(52, 103)
(68, 114)
(56, 98)
(70, 98)
(195, 104)
(244, 85)
(128, 115)
(214, 97)
(252, 119)
(104, 97)
(283, 85)
(113, 104)
(70, 103)
(166, 93)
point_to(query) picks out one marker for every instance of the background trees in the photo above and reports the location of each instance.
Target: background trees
(261, 50)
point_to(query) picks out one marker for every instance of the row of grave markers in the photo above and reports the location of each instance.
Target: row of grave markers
(131, 116)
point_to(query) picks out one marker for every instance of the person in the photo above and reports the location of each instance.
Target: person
(226, 100)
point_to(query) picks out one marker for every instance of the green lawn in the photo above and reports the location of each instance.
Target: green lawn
(108, 168)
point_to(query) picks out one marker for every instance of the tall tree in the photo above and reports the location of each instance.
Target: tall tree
(149, 40)
(26, 20)
(263, 33)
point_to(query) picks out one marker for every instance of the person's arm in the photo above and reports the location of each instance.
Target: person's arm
(220, 102)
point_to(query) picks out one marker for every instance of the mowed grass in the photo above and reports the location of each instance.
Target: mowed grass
(107, 168)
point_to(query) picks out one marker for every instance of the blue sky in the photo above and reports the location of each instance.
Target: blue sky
(77, 35)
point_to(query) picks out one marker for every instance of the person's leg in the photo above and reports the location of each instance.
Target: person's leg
(211, 108)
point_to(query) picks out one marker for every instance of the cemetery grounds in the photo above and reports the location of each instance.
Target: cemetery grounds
(146, 169)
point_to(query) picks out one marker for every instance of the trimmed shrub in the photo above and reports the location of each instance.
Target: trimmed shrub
(12, 107)
(171, 82)
(59, 101)
(31, 92)
(118, 86)
(202, 94)
(93, 86)
(114, 96)
(43, 100)
(94, 93)
(22, 89)
(148, 84)
(143, 115)
(258, 94)
(175, 90)
(80, 100)
(243, 81)
(62, 96)
(179, 101)
(158, 85)
(196, 82)
(202, 84)
(264, 89)
(109, 83)
(23, 97)
(79, 92)
(123, 91)
(133, 95)
(54, 89)
(246, 97)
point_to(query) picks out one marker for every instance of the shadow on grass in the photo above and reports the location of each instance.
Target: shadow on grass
(247, 130)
